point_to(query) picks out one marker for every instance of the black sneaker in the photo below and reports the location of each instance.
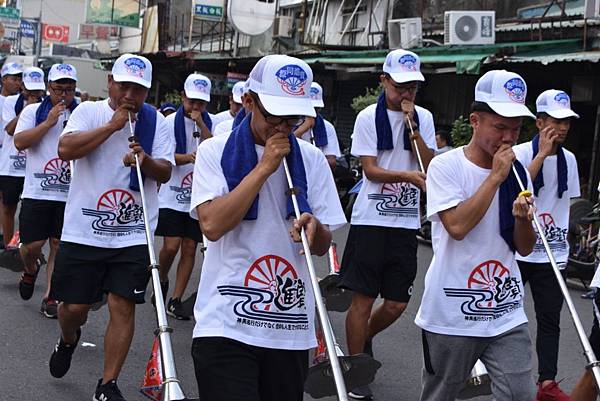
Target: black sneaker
(175, 309)
(361, 393)
(49, 308)
(27, 285)
(164, 287)
(108, 392)
(60, 360)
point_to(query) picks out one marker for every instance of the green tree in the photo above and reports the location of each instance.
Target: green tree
(362, 101)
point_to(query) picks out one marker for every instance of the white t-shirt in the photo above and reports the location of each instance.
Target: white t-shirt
(333, 147)
(389, 205)
(220, 117)
(2, 98)
(12, 161)
(552, 211)
(176, 193)
(223, 127)
(47, 177)
(101, 209)
(473, 287)
(255, 286)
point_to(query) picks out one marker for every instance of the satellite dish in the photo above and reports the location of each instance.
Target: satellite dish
(466, 28)
(251, 17)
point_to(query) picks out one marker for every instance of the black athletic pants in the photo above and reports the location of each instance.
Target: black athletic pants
(547, 300)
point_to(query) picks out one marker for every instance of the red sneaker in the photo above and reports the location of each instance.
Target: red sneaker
(551, 392)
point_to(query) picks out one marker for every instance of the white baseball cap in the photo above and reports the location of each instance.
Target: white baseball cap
(403, 66)
(237, 91)
(316, 95)
(62, 71)
(504, 92)
(555, 103)
(33, 79)
(282, 84)
(197, 86)
(133, 68)
(11, 69)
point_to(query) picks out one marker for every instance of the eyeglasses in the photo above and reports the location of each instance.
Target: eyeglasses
(62, 91)
(403, 88)
(290, 121)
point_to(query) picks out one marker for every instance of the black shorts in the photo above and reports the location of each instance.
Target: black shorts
(40, 219)
(228, 370)
(82, 273)
(380, 260)
(172, 223)
(595, 334)
(11, 188)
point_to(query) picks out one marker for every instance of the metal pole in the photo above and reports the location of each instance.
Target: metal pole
(593, 363)
(322, 312)
(171, 387)
(350, 19)
(412, 134)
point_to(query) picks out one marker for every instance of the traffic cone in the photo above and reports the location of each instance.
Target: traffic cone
(152, 382)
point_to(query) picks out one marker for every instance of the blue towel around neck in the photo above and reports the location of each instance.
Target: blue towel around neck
(320, 132)
(19, 104)
(384, 128)
(239, 117)
(508, 192)
(207, 120)
(180, 136)
(561, 169)
(145, 129)
(239, 158)
(42, 112)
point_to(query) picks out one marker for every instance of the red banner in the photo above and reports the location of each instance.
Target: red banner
(55, 33)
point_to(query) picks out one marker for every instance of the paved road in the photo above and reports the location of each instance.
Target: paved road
(26, 341)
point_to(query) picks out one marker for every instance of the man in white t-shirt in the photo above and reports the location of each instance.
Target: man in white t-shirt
(235, 105)
(553, 170)
(381, 253)
(179, 230)
(47, 178)
(255, 307)
(103, 247)
(472, 306)
(319, 131)
(238, 92)
(12, 80)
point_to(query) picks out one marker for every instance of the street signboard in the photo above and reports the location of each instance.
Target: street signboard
(209, 9)
(27, 29)
(92, 31)
(113, 12)
(55, 33)
(10, 16)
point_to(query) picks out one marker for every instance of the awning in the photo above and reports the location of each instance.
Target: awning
(465, 59)
(590, 57)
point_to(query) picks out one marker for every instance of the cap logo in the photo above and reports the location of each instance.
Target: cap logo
(314, 93)
(408, 62)
(292, 79)
(65, 69)
(562, 99)
(35, 76)
(135, 67)
(515, 89)
(201, 85)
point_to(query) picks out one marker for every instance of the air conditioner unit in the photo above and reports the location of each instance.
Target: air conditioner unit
(405, 33)
(469, 27)
(283, 26)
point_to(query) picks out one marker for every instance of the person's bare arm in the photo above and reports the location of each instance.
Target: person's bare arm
(547, 146)
(27, 138)
(184, 158)
(461, 219)
(223, 214)
(157, 169)
(10, 127)
(304, 127)
(378, 174)
(416, 140)
(76, 145)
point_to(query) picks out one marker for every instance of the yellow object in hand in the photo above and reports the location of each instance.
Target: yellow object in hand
(525, 193)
